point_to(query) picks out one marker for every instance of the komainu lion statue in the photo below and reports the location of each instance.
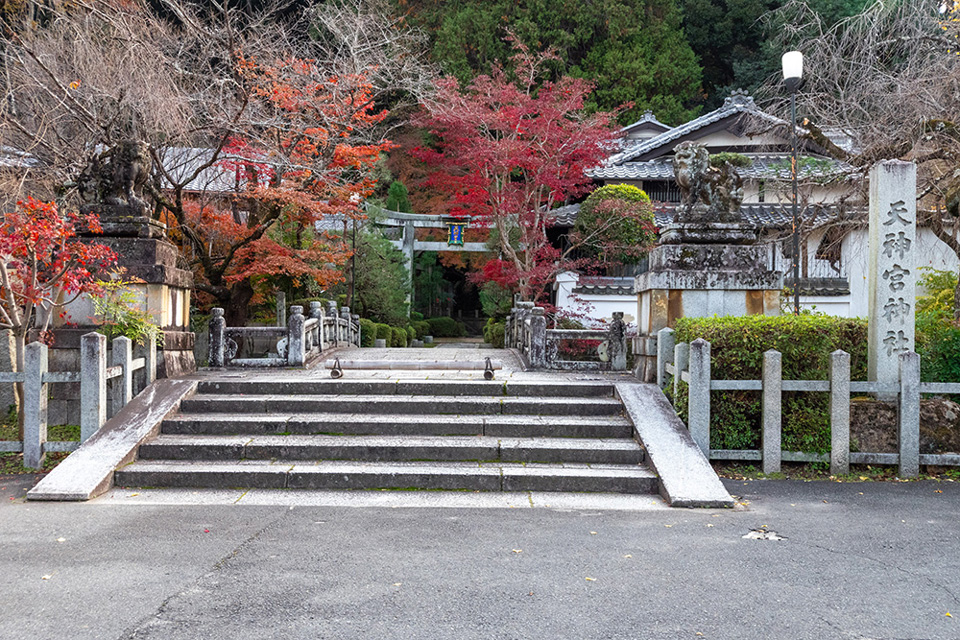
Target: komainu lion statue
(117, 176)
(707, 194)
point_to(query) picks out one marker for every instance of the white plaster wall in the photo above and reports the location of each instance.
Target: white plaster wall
(597, 307)
(931, 252)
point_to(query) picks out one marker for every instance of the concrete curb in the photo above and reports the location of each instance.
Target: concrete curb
(88, 471)
(686, 477)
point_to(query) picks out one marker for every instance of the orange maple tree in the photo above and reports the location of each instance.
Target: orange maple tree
(305, 158)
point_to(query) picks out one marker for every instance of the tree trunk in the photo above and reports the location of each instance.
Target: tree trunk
(237, 308)
(18, 342)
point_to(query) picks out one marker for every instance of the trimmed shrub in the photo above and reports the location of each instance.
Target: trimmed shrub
(938, 343)
(368, 332)
(422, 327)
(444, 327)
(493, 333)
(384, 332)
(416, 316)
(399, 337)
(411, 334)
(737, 347)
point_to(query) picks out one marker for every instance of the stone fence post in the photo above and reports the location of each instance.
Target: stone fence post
(93, 383)
(772, 412)
(681, 363)
(122, 355)
(35, 365)
(296, 337)
(909, 427)
(666, 341)
(316, 312)
(698, 407)
(839, 412)
(217, 338)
(538, 338)
(617, 341)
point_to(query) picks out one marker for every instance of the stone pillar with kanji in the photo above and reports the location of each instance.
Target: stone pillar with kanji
(892, 269)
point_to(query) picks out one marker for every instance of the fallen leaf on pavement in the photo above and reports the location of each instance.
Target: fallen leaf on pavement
(591, 579)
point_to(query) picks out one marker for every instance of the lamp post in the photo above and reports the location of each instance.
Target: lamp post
(793, 78)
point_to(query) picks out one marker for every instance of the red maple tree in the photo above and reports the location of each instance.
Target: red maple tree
(507, 151)
(44, 267)
(301, 161)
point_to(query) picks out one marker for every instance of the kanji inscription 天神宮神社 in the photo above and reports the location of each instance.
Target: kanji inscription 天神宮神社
(893, 238)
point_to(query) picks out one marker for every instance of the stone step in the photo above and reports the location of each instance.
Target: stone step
(495, 476)
(401, 404)
(408, 424)
(392, 448)
(316, 386)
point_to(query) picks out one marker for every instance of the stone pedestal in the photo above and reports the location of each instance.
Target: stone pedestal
(702, 280)
(163, 291)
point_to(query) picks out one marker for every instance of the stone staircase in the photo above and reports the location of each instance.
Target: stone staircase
(317, 433)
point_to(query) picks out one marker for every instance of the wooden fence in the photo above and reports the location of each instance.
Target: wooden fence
(690, 363)
(97, 382)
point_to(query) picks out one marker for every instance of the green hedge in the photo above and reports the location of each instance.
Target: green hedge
(399, 337)
(422, 327)
(806, 341)
(737, 345)
(384, 332)
(443, 327)
(368, 332)
(938, 343)
(493, 333)
(411, 334)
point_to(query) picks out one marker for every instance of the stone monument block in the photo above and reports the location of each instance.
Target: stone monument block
(892, 268)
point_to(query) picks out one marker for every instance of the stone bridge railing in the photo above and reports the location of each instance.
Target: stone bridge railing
(526, 331)
(303, 339)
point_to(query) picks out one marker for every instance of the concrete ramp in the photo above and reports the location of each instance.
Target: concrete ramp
(686, 477)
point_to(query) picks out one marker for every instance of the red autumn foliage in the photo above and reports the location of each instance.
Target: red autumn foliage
(508, 151)
(304, 161)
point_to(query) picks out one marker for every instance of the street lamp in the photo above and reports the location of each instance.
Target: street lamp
(793, 78)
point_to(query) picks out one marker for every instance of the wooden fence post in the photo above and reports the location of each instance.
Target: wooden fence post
(909, 414)
(772, 384)
(698, 411)
(666, 341)
(35, 361)
(93, 384)
(839, 413)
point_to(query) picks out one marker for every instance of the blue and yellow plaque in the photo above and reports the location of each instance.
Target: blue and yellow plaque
(455, 233)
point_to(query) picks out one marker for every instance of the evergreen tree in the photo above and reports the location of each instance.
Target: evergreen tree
(397, 199)
(632, 50)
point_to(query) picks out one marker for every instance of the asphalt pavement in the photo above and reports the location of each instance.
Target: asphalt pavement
(857, 560)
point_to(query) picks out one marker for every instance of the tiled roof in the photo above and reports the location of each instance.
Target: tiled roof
(757, 214)
(605, 286)
(773, 165)
(820, 286)
(647, 118)
(737, 104)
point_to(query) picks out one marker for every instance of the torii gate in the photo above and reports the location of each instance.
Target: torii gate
(409, 244)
